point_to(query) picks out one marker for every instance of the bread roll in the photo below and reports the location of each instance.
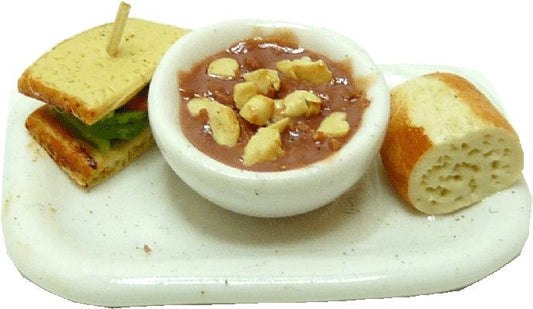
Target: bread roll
(447, 147)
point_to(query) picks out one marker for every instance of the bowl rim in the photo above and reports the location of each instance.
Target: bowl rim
(368, 131)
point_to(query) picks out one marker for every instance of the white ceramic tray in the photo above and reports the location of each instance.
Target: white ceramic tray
(143, 237)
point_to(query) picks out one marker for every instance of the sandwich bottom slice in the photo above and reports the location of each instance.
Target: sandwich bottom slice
(85, 164)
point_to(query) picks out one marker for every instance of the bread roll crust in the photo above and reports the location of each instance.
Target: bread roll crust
(446, 145)
(475, 99)
(403, 145)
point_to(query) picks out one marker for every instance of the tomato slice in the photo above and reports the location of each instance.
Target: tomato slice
(139, 102)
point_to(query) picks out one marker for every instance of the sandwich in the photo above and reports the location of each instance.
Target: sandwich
(94, 121)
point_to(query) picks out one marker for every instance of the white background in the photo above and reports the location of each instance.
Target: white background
(493, 37)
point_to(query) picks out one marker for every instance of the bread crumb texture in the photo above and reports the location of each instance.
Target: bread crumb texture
(447, 147)
(80, 76)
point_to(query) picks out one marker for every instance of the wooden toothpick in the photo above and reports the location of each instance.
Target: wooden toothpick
(118, 29)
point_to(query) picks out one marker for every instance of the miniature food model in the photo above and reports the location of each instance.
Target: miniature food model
(447, 147)
(95, 121)
(267, 104)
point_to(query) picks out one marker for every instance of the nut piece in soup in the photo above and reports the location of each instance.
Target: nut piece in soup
(221, 119)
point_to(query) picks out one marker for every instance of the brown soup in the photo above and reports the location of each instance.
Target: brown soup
(300, 142)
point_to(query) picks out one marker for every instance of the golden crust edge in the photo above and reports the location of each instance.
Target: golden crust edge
(478, 102)
(404, 144)
(36, 89)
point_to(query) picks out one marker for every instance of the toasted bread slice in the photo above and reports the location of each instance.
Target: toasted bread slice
(82, 162)
(447, 147)
(79, 76)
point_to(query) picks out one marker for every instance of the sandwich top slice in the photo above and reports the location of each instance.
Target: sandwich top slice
(95, 120)
(79, 76)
